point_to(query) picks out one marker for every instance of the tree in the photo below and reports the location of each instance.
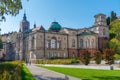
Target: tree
(114, 44)
(97, 57)
(108, 20)
(85, 57)
(109, 55)
(9, 7)
(115, 29)
(113, 16)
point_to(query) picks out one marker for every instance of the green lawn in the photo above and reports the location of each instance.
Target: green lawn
(88, 74)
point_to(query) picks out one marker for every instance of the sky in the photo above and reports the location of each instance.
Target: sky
(68, 13)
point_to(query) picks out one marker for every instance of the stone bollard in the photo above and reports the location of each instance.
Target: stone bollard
(111, 67)
(66, 77)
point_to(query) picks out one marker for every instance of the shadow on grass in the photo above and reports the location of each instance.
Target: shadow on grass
(107, 78)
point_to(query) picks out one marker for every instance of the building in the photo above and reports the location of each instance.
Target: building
(58, 41)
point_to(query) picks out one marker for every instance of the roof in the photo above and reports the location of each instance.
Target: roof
(100, 14)
(70, 28)
(38, 28)
(86, 33)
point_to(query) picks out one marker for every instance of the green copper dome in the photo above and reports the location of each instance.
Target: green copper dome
(55, 26)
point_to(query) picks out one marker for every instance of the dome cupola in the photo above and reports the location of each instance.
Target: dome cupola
(55, 26)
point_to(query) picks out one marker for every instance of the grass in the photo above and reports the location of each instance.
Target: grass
(10, 70)
(20, 71)
(88, 74)
(26, 75)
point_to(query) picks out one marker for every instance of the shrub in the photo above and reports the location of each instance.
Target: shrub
(109, 56)
(85, 57)
(97, 57)
(57, 61)
(75, 60)
(117, 57)
(11, 70)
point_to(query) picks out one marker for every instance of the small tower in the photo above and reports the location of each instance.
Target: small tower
(102, 29)
(24, 24)
(100, 26)
(100, 19)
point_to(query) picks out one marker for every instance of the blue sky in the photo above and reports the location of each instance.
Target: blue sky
(69, 13)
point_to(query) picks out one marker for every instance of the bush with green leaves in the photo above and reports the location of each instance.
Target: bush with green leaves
(57, 61)
(97, 57)
(117, 56)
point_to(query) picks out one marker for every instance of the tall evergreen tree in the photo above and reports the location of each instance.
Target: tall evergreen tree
(108, 20)
(113, 16)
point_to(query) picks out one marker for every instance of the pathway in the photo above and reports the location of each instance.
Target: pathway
(45, 74)
(93, 66)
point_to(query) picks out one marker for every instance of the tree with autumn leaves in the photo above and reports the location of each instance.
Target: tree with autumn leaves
(85, 57)
(108, 55)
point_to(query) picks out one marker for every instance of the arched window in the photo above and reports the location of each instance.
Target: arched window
(81, 43)
(53, 43)
(73, 43)
(103, 31)
(92, 43)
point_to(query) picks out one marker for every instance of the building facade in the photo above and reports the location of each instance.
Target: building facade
(58, 41)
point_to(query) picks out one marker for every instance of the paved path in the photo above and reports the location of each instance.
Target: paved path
(44, 74)
(104, 67)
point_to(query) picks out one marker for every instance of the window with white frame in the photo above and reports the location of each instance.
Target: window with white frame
(53, 43)
(48, 44)
(59, 44)
(73, 43)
